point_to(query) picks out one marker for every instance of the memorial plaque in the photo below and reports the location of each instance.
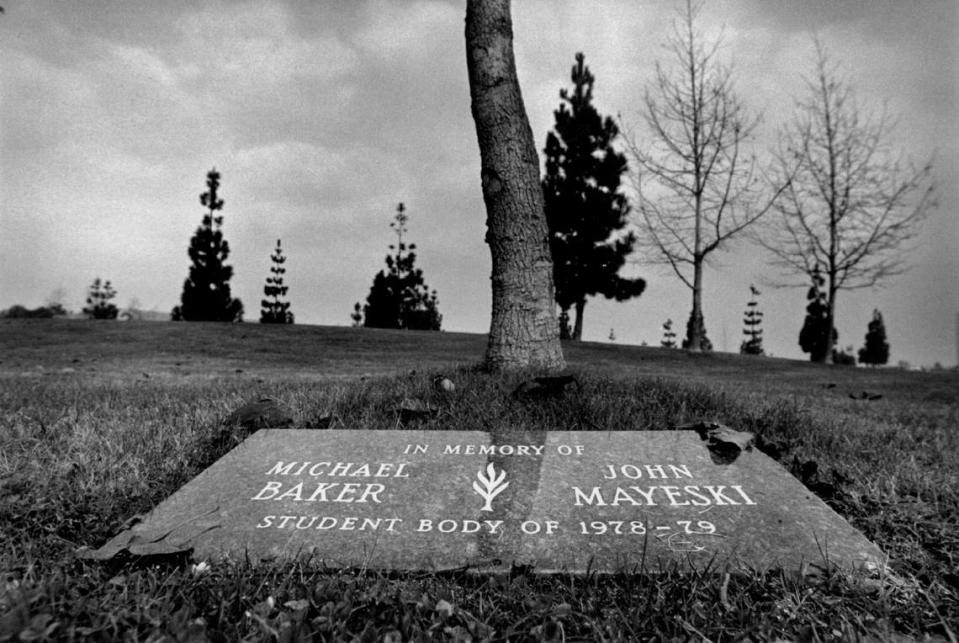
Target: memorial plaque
(621, 501)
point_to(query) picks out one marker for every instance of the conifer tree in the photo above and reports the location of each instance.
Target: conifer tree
(274, 310)
(206, 292)
(99, 305)
(876, 350)
(398, 297)
(813, 338)
(357, 315)
(585, 211)
(752, 322)
(669, 335)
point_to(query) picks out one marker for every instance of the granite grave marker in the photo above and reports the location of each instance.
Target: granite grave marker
(621, 501)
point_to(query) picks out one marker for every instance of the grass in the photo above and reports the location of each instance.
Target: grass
(101, 421)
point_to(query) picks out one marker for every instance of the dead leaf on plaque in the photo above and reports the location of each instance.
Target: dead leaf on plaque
(724, 444)
(136, 543)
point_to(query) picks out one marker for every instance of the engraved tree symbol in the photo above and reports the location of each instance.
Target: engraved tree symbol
(490, 485)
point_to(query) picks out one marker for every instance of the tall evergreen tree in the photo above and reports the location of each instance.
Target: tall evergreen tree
(752, 326)
(399, 298)
(357, 315)
(585, 212)
(206, 292)
(669, 335)
(99, 305)
(876, 350)
(814, 336)
(274, 310)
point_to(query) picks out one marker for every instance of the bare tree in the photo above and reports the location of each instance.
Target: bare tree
(523, 331)
(697, 184)
(848, 203)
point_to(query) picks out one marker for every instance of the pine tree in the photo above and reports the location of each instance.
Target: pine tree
(876, 350)
(669, 335)
(206, 292)
(398, 297)
(274, 310)
(813, 338)
(585, 212)
(357, 315)
(99, 305)
(752, 322)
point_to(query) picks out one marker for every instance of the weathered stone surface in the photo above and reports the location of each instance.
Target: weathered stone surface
(559, 501)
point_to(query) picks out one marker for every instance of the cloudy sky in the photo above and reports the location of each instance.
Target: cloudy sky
(322, 116)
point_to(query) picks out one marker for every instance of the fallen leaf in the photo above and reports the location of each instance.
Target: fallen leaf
(443, 384)
(297, 605)
(724, 444)
(443, 608)
(265, 413)
(411, 409)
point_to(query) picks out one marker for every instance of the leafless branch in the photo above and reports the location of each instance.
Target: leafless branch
(697, 185)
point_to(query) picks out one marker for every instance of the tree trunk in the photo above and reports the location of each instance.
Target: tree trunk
(578, 328)
(523, 331)
(831, 325)
(697, 325)
(564, 331)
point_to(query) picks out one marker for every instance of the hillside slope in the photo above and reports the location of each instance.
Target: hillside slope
(182, 350)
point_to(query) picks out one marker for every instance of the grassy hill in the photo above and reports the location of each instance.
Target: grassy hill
(317, 353)
(100, 421)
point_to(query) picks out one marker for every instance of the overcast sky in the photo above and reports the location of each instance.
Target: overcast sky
(322, 116)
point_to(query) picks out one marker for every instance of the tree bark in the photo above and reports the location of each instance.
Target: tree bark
(524, 332)
(698, 327)
(830, 327)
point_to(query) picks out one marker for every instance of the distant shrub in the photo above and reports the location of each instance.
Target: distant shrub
(844, 358)
(43, 312)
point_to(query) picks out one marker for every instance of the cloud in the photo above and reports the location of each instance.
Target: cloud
(51, 103)
(407, 34)
(253, 46)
